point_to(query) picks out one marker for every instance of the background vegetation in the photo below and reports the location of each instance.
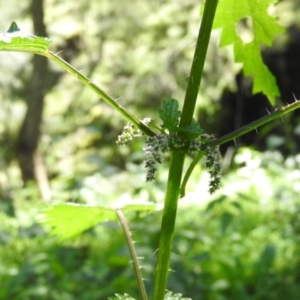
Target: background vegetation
(57, 143)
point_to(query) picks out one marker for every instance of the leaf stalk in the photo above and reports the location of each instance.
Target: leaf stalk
(133, 254)
(110, 101)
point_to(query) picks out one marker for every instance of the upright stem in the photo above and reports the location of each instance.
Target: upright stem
(177, 157)
(198, 63)
(168, 225)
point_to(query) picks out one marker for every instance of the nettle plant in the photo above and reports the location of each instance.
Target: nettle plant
(179, 134)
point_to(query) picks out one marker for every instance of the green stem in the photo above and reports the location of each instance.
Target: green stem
(198, 63)
(110, 101)
(189, 171)
(133, 254)
(255, 124)
(168, 225)
(177, 158)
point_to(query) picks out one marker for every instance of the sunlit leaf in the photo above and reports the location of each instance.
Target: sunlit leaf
(264, 29)
(68, 220)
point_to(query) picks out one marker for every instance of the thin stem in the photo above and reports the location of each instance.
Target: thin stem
(168, 225)
(241, 131)
(235, 134)
(20, 42)
(189, 171)
(110, 101)
(133, 254)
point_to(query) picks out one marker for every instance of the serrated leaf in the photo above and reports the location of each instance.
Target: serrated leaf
(170, 114)
(263, 79)
(68, 220)
(189, 132)
(265, 28)
(192, 131)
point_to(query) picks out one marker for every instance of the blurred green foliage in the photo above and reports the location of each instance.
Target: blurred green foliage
(241, 244)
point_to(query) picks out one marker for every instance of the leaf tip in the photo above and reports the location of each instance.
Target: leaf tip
(13, 27)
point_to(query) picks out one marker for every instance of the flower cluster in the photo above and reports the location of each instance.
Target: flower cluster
(155, 147)
(213, 162)
(177, 142)
(194, 147)
(130, 132)
(214, 167)
(161, 143)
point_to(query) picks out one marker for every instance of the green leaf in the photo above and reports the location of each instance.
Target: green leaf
(169, 114)
(192, 131)
(68, 220)
(13, 27)
(264, 27)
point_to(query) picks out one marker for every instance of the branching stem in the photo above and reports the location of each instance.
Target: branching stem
(235, 134)
(255, 124)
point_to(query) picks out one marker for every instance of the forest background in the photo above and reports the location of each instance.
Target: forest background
(58, 143)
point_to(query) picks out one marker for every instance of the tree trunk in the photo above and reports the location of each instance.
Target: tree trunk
(30, 160)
